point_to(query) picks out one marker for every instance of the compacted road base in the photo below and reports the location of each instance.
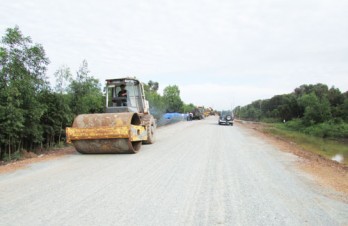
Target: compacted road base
(197, 173)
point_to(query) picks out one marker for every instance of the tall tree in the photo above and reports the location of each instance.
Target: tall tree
(344, 107)
(316, 110)
(153, 86)
(171, 95)
(22, 78)
(63, 79)
(86, 95)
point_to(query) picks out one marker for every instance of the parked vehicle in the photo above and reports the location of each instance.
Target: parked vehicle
(198, 113)
(226, 118)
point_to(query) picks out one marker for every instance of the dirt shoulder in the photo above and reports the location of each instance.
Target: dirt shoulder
(326, 172)
(29, 158)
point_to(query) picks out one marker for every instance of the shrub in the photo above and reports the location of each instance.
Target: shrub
(328, 129)
(14, 156)
(295, 124)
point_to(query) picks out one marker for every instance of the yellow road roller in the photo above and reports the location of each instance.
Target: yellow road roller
(125, 126)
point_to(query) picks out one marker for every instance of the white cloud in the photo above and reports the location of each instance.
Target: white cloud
(241, 50)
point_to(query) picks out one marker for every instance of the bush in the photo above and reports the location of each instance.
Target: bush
(270, 120)
(295, 124)
(60, 145)
(319, 130)
(331, 129)
(14, 156)
(328, 130)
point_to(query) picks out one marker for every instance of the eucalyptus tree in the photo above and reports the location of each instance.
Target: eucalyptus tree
(63, 79)
(23, 66)
(85, 92)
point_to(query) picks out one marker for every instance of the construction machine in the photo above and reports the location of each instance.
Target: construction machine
(208, 111)
(198, 113)
(123, 128)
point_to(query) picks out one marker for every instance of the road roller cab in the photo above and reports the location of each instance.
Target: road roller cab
(125, 95)
(125, 125)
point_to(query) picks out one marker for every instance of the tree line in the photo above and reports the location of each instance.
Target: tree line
(169, 102)
(34, 115)
(313, 109)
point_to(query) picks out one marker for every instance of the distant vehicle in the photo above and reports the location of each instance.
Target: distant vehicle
(226, 118)
(208, 111)
(198, 113)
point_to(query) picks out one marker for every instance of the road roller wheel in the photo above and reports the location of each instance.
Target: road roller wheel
(151, 133)
(151, 129)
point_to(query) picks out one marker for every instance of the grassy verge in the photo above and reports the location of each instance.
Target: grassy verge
(325, 147)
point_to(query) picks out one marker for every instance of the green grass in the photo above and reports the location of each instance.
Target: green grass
(323, 146)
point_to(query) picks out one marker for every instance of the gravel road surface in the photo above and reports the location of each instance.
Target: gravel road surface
(197, 173)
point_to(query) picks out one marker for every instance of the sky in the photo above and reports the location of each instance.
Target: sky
(220, 53)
